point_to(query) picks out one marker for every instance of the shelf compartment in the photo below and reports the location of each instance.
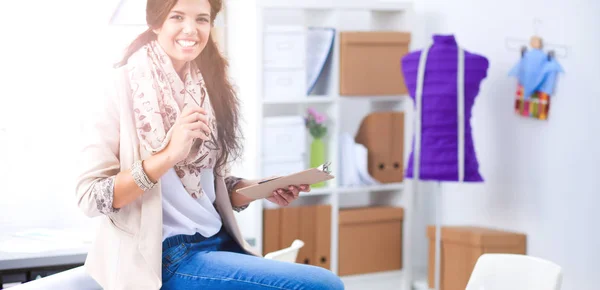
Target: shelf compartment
(372, 188)
(301, 100)
(397, 6)
(318, 191)
(398, 98)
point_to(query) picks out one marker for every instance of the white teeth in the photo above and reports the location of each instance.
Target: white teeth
(186, 43)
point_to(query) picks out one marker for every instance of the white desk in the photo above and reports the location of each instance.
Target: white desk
(26, 257)
(10, 261)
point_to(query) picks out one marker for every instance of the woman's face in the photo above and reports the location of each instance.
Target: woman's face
(185, 32)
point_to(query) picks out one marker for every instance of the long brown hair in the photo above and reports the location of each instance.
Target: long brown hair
(213, 66)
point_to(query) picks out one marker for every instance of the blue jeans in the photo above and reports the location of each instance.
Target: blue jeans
(218, 262)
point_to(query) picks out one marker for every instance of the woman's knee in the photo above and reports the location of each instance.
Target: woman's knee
(323, 279)
(333, 282)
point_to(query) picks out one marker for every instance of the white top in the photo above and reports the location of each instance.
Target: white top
(184, 215)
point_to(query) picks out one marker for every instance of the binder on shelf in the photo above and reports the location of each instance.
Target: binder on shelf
(311, 224)
(308, 235)
(322, 252)
(266, 187)
(382, 133)
(290, 226)
(271, 233)
(319, 46)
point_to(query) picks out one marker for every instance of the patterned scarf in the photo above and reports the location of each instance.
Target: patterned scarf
(159, 96)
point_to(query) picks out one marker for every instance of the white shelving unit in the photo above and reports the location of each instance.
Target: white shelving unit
(302, 100)
(344, 113)
(390, 5)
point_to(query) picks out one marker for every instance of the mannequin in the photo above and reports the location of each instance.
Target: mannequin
(439, 122)
(443, 80)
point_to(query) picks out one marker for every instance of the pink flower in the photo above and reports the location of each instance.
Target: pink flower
(313, 112)
(320, 119)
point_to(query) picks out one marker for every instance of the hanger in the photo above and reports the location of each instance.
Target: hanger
(536, 42)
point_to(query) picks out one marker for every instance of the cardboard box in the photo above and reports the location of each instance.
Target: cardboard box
(284, 137)
(370, 240)
(370, 63)
(462, 246)
(282, 84)
(285, 47)
(382, 133)
(282, 166)
(311, 224)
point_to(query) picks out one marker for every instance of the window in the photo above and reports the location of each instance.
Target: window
(55, 62)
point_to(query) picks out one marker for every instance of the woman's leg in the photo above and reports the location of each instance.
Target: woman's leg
(230, 270)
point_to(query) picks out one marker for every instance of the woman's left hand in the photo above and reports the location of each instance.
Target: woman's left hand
(285, 196)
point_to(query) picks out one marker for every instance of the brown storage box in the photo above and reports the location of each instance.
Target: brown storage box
(382, 133)
(311, 224)
(370, 63)
(462, 246)
(370, 240)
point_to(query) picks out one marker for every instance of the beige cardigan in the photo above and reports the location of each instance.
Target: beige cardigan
(127, 252)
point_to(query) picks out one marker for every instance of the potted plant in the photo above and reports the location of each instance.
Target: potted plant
(315, 123)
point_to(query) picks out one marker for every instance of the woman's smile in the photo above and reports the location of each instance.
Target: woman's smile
(187, 45)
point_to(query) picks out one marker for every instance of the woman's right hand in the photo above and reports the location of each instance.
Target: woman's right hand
(191, 124)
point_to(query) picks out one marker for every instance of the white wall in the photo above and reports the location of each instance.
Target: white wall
(53, 56)
(541, 176)
(243, 53)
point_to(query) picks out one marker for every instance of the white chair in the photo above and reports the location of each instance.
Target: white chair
(288, 254)
(514, 272)
(78, 279)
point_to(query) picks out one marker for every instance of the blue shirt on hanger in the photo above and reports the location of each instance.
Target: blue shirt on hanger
(536, 72)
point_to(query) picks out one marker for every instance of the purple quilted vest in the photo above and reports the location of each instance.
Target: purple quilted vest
(439, 121)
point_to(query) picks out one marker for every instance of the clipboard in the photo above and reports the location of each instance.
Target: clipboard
(265, 188)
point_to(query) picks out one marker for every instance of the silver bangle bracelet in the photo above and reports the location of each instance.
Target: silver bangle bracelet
(140, 177)
(145, 178)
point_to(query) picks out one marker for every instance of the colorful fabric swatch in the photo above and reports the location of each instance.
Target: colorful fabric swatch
(537, 105)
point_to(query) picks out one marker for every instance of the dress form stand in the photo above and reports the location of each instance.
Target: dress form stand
(461, 145)
(438, 235)
(444, 151)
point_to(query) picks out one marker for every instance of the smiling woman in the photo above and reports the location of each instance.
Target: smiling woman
(182, 28)
(183, 36)
(154, 168)
(186, 30)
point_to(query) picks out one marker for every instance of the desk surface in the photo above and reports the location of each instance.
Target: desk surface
(24, 252)
(18, 252)
(10, 261)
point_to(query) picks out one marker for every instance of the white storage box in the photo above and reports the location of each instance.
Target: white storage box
(284, 84)
(283, 166)
(285, 46)
(283, 137)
